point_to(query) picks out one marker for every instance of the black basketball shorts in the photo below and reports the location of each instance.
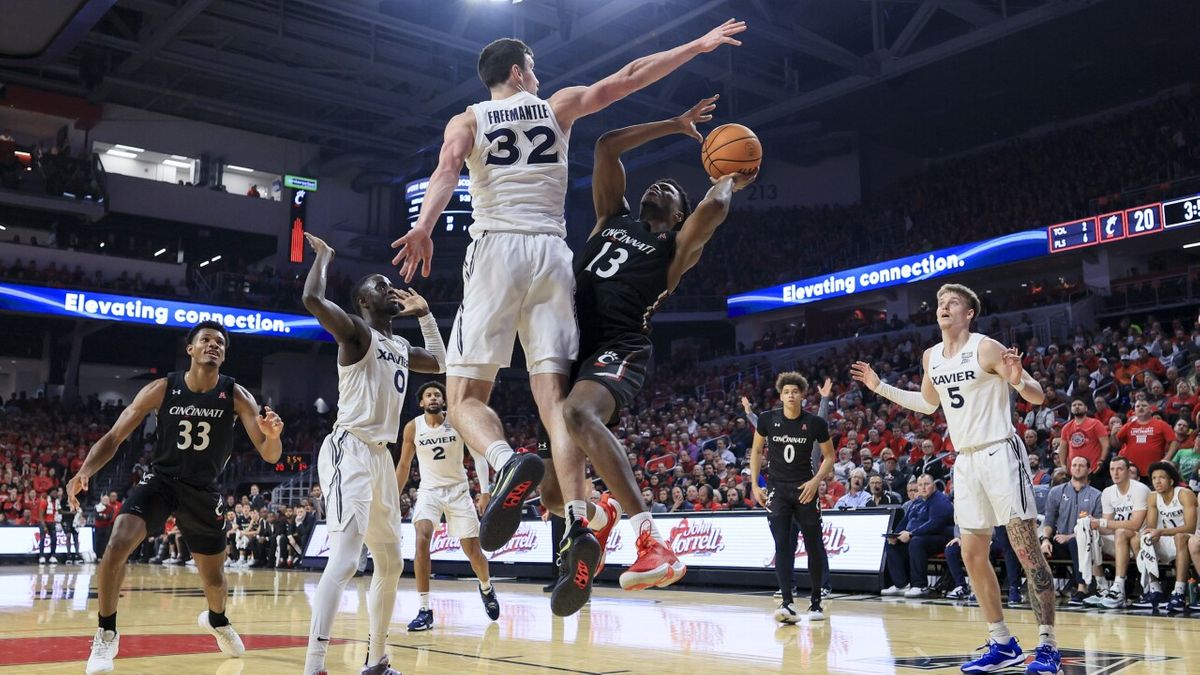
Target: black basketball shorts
(197, 511)
(621, 365)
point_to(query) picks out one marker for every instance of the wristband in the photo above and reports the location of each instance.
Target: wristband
(1104, 523)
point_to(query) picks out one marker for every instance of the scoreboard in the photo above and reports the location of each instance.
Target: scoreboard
(457, 216)
(1139, 221)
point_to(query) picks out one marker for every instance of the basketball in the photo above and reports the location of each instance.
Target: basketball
(730, 148)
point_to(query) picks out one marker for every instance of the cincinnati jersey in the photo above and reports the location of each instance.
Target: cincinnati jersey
(518, 167)
(1170, 514)
(976, 402)
(439, 455)
(621, 279)
(790, 444)
(371, 391)
(1123, 506)
(195, 432)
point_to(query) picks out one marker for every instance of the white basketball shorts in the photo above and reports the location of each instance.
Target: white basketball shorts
(992, 486)
(359, 482)
(515, 285)
(455, 503)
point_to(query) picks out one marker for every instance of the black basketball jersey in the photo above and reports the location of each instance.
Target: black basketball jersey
(195, 432)
(790, 444)
(621, 278)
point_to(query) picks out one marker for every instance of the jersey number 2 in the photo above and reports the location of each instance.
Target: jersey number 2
(439, 453)
(620, 255)
(185, 436)
(543, 139)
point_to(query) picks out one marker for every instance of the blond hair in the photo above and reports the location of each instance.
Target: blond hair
(964, 293)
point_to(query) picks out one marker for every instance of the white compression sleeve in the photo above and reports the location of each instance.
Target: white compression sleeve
(433, 340)
(913, 400)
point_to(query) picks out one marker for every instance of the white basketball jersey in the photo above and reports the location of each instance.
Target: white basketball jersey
(1170, 514)
(518, 167)
(371, 392)
(1122, 506)
(439, 455)
(976, 403)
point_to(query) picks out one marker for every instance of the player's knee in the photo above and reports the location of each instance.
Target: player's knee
(1125, 535)
(579, 414)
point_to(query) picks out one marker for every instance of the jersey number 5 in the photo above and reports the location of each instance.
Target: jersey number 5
(620, 255)
(956, 399)
(543, 139)
(185, 436)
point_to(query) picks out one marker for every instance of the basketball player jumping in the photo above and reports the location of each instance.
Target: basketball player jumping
(444, 491)
(969, 375)
(626, 269)
(791, 435)
(196, 412)
(517, 275)
(358, 478)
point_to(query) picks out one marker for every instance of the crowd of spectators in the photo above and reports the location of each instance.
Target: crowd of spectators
(48, 167)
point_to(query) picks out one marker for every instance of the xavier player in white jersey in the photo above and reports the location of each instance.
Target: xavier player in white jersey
(1123, 510)
(970, 375)
(444, 491)
(1170, 521)
(517, 276)
(358, 479)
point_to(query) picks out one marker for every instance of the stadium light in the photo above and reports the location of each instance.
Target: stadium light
(160, 252)
(177, 165)
(128, 148)
(120, 153)
(1194, 244)
(234, 167)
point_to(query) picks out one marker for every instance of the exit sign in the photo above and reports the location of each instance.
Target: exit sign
(300, 182)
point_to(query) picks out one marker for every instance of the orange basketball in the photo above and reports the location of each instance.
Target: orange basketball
(730, 148)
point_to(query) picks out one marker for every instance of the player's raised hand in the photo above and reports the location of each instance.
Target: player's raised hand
(318, 244)
(746, 405)
(863, 372)
(826, 389)
(1011, 367)
(270, 423)
(721, 35)
(416, 248)
(698, 114)
(74, 486)
(411, 302)
(740, 178)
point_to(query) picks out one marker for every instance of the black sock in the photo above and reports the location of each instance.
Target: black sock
(109, 622)
(217, 619)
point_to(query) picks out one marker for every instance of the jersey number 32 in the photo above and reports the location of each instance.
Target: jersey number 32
(507, 151)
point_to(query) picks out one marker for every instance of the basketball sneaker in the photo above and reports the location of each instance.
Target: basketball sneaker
(520, 474)
(656, 565)
(423, 622)
(1077, 599)
(895, 590)
(614, 516)
(1095, 599)
(104, 649)
(1113, 599)
(490, 604)
(959, 593)
(384, 667)
(815, 613)
(787, 614)
(1149, 600)
(227, 638)
(1046, 659)
(996, 657)
(579, 552)
(1176, 604)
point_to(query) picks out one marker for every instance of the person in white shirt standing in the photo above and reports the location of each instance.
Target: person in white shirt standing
(517, 276)
(446, 491)
(355, 466)
(969, 376)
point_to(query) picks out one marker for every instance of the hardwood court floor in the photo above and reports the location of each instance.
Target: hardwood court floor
(48, 615)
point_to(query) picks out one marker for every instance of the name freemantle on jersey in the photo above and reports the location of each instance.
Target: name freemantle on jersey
(535, 111)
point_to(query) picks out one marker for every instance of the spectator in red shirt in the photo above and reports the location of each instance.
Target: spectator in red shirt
(927, 432)
(42, 482)
(1184, 396)
(1103, 412)
(1085, 436)
(707, 501)
(1145, 439)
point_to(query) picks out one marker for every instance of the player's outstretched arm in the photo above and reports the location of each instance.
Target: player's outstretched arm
(431, 359)
(608, 174)
(574, 102)
(1007, 364)
(408, 448)
(263, 429)
(416, 247)
(332, 318)
(703, 222)
(926, 401)
(147, 400)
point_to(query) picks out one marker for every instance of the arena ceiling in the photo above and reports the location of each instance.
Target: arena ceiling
(927, 76)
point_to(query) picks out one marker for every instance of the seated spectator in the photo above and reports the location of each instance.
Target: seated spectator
(655, 507)
(880, 497)
(1039, 475)
(856, 497)
(925, 529)
(1000, 547)
(1064, 505)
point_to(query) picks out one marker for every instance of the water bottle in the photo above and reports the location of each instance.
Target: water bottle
(1193, 592)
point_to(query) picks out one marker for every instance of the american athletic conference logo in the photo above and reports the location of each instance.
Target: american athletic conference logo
(700, 538)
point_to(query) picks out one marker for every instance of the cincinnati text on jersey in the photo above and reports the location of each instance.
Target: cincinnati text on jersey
(193, 411)
(789, 439)
(622, 236)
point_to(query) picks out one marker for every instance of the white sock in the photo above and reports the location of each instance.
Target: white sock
(498, 454)
(1180, 588)
(1118, 585)
(999, 632)
(576, 510)
(1102, 584)
(599, 517)
(1046, 633)
(1155, 587)
(642, 522)
(424, 600)
(485, 586)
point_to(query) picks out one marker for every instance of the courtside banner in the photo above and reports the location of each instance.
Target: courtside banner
(155, 312)
(852, 542)
(23, 540)
(1010, 248)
